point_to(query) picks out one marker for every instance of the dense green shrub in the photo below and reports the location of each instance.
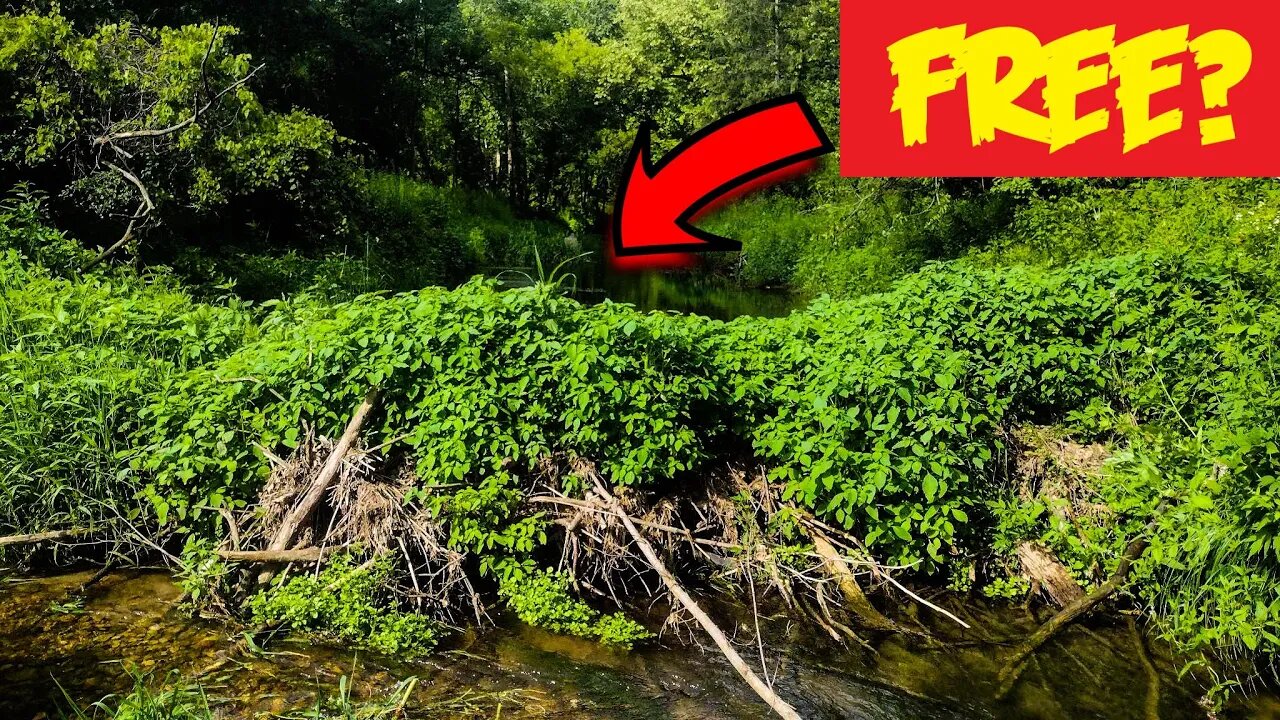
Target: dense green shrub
(77, 360)
(543, 599)
(346, 602)
(886, 414)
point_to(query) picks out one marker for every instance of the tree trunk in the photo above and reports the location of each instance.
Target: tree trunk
(1013, 669)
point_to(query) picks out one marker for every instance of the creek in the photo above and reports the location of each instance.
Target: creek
(697, 293)
(49, 646)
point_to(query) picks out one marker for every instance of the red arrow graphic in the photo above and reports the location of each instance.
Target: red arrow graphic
(656, 204)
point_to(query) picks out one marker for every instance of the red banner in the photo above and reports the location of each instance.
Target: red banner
(1086, 88)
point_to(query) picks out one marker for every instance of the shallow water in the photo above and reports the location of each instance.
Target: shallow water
(130, 619)
(700, 294)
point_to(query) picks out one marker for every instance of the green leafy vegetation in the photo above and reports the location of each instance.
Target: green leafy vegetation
(178, 698)
(544, 599)
(173, 699)
(885, 415)
(342, 601)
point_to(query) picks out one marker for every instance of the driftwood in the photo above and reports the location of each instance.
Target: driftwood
(42, 537)
(1014, 667)
(766, 693)
(304, 555)
(301, 512)
(1046, 573)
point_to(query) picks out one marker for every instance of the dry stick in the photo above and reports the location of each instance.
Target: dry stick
(1013, 669)
(315, 492)
(144, 209)
(937, 608)
(820, 593)
(147, 206)
(124, 239)
(308, 555)
(669, 529)
(771, 698)
(42, 537)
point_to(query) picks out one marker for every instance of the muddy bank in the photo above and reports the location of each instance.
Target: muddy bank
(48, 644)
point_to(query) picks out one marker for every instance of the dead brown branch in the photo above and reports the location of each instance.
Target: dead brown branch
(301, 555)
(776, 703)
(124, 240)
(1048, 574)
(50, 536)
(303, 509)
(855, 600)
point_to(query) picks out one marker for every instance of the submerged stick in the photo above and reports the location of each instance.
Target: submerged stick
(1152, 706)
(854, 598)
(779, 706)
(315, 492)
(97, 577)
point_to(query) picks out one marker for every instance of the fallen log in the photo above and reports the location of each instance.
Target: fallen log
(1014, 667)
(34, 538)
(303, 555)
(289, 527)
(1048, 574)
(766, 693)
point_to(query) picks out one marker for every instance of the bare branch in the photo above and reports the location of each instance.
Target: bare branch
(142, 189)
(176, 127)
(128, 235)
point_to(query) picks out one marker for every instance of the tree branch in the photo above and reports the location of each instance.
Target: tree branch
(112, 138)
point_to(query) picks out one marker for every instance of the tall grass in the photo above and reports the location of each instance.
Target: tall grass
(172, 699)
(77, 357)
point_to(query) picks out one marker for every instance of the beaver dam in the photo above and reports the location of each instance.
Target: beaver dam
(978, 493)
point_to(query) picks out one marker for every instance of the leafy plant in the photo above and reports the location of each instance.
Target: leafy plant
(345, 601)
(543, 599)
(172, 699)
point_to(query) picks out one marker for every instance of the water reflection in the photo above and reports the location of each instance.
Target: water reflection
(690, 292)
